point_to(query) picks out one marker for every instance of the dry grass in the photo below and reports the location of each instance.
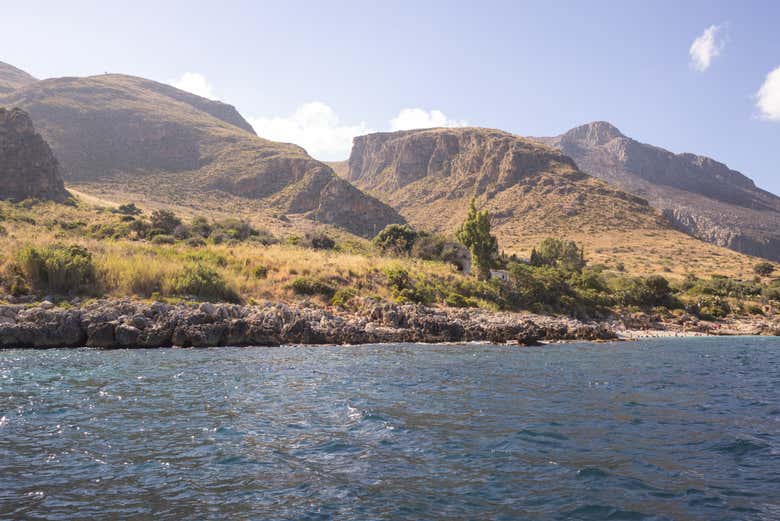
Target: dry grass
(252, 270)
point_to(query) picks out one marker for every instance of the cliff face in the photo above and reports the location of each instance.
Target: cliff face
(135, 138)
(28, 169)
(430, 175)
(700, 195)
(12, 78)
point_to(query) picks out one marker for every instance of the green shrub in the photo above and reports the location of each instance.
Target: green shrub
(195, 242)
(163, 239)
(312, 286)
(712, 308)
(318, 241)
(58, 268)
(342, 297)
(721, 286)
(200, 226)
(235, 229)
(398, 278)
(396, 239)
(456, 300)
(261, 272)
(644, 292)
(764, 269)
(560, 253)
(165, 221)
(202, 281)
(128, 209)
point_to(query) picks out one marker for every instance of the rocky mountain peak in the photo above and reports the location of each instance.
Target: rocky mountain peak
(593, 134)
(700, 195)
(28, 167)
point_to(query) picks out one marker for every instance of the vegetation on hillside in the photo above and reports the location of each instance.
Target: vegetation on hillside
(91, 252)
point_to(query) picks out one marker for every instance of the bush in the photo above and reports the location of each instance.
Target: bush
(721, 286)
(58, 268)
(342, 297)
(200, 226)
(261, 272)
(235, 229)
(396, 239)
(404, 289)
(456, 300)
(712, 308)
(398, 278)
(644, 292)
(165, 221)
(318, 241)
(128, 209)
(311, 286)
(764, 269)
(203, 282)
(195, 242)
(560, 253)
(163, 239)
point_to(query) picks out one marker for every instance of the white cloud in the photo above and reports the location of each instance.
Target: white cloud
(706, 47)
(316, 127)
(195, 83)
(409, 119)
(768, 97)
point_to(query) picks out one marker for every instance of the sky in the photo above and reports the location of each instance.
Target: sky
(701, 77)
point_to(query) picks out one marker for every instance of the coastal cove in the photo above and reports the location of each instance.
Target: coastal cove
(132, 324)
(655, 429)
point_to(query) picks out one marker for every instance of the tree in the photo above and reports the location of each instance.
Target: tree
(559, 253)
(397, 239)
(764, 269)
(165, 221)
(475, 235)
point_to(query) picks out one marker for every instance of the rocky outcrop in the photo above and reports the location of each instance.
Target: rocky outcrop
(28, 168)
(117, 324)
(137, 138)
(430, 175)
(12, 78)
(699, 195)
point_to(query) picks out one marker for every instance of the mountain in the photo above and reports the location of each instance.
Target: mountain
(12, 78)
(699, 195)
(28, 169)
(430, 175)
(128, 137)
(531, 190)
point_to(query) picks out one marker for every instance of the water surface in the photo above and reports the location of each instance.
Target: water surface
(659, 429)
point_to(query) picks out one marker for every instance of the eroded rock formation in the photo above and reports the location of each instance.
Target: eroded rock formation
(28, 168)
(698, 194)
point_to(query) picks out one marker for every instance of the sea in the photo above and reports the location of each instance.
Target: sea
(659, 429)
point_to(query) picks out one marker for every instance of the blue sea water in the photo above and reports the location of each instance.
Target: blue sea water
(658, 429)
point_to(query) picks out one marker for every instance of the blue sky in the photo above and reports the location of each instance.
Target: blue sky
(319, 72)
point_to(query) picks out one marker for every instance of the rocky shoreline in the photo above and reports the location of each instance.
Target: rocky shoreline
(132, 324)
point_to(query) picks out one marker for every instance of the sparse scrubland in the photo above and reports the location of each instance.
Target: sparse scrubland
(81, 251)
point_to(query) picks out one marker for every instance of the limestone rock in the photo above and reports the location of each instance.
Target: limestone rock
(697, 194)
(430, 175)
(28, 168)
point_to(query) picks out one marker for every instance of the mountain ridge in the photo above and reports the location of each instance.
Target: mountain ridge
(11, 78)
(701, 195)
(135, 138)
